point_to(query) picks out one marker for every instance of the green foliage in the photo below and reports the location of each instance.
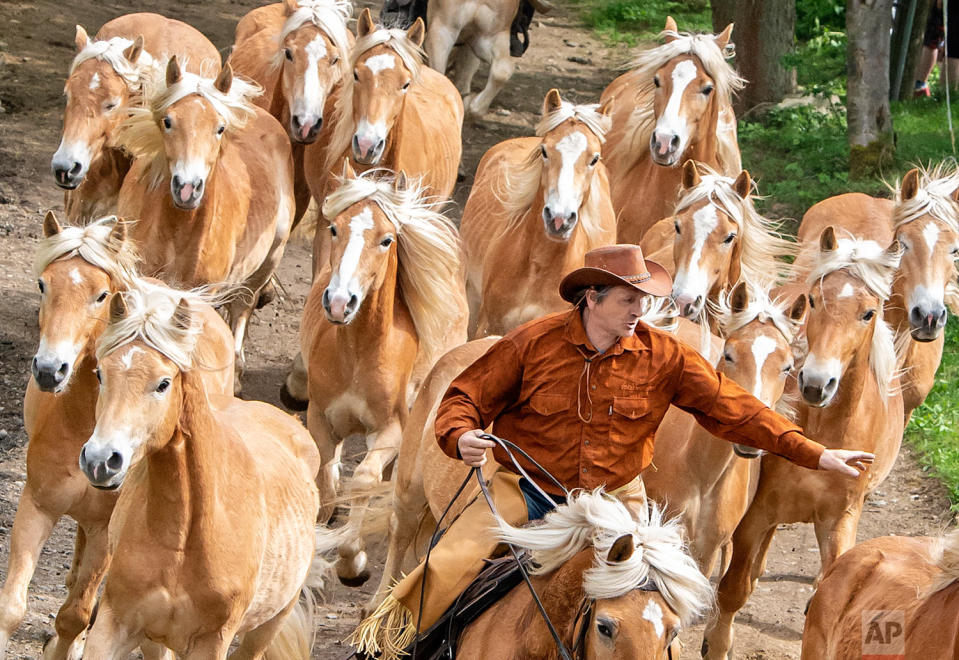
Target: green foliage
(814, 16)
(934, 427)
(820, 62)
(632, 21)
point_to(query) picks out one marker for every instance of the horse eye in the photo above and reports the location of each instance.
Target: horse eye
(594, 160)
(656, 80)
(787, 368)
(110, 105)
(811, 305)
(386, 242)
(336, 60)
(163, 386)
(41, 286)
(868, 315)
(356, 76)
(220, 129)
(333, 230)
(728, 357)
(604, 629)
(99, 375)
(102, 297)
(288, 53)
(542, 151)
(707, 90)
(729, 239)
(167, 123)
(676, 227)
(954, 252)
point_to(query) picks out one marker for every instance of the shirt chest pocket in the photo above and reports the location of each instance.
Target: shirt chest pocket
(627, 418)
(547, 405)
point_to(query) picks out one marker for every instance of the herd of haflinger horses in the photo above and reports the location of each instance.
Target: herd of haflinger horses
(214, 535)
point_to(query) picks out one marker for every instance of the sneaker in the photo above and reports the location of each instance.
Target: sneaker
(920, 92)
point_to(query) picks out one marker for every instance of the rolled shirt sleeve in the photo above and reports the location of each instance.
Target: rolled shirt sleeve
(479, 394)
(728, 411)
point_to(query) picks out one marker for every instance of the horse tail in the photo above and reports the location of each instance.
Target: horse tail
(295, 639)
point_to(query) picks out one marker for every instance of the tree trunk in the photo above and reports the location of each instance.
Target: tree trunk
(915, 47)
(764, 32)
(869, 121)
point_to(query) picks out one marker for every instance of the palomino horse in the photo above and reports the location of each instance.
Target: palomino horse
(482, 30)
(393, 300)
(715, 239)
(106, 75)
(298, 52)
(612, 586)
(213, 533)
(708, 480)
(536, 207)
(211, 188)
(674, 105)
(912, 583)
(850, 398)
(77, 269)
(392, 113)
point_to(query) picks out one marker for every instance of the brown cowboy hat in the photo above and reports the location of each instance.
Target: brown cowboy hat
(617, 265)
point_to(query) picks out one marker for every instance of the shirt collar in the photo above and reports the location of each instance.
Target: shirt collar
(576, 334)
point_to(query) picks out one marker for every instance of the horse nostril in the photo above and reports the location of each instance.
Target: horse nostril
(198, 188)
(318, 125)
(572, 218)
(115, 462)
(75, 169)
(326, 299)
(674, 143)
(83, 457)
(916, 315)
(62, 371)
(352, 304)
(830, 385)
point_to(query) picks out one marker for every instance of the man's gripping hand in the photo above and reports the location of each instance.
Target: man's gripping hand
(847, 462)
(473, 448)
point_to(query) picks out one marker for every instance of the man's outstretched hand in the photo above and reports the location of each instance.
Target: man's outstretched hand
(848, 462)
(473, 448)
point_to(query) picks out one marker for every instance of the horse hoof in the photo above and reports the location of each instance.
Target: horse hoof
(266, 296)
(357, 581)
(290, 401)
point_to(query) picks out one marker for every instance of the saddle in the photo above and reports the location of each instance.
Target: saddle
(402, 14)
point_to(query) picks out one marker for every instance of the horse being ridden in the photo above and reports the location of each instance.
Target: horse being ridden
(107, 76)
(392, 302)
(850, 397)
(298, 52)
(213, 532)
(674, 105)
(211, 189)
(77, 270)
(536, 207)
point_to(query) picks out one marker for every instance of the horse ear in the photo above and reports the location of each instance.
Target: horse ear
(119, 232)
(173, 73)
(670, 27)
(622, 549)
(348, 171)
(401, 183)
(827, 240)
(739, 299)
(798, 310)
(606, 107)
(224, 81)
(722, 39)
(910, 185)
(50, 225)
(552, 102)
(691, 177)
(364, 24)
(133, 52)
(182, 316)
(289, 6)
(81, 39)
(118, 308)
(417, 32)
(743, 184)
(894, 249)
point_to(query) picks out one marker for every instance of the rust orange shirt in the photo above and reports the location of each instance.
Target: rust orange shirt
(595, 426)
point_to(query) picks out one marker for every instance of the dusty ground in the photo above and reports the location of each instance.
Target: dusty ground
(36, 45)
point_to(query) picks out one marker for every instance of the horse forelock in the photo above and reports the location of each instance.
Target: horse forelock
(95, 244)
(760, 308)
(427, 243)
(933, 197)
(396, 40)
(111, 51)
(660, 312)
(329, 16)
(597, 519)
(151, 311)
(589, 115)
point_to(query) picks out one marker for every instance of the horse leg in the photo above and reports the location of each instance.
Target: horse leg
(256, 642)
(239, 311)
(440, 39)
(495, 51)
(295, 392)
(381, 449)
(210, 647)
(109, 639)
(74, 615)
(750, 545)
(466, 66)
(835, 536)
(328, 478)
(301, 190)
(154, 651)
(31, 529)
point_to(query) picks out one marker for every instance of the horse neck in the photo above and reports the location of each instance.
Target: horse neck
(707, 458)
(561, 594)
(377, 314)
(894, 309)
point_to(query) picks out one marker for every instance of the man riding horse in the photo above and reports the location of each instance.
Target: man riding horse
(582, 392)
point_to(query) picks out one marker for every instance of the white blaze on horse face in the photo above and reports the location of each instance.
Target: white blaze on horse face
(343, 282)
(692, 280)
(762, 348)
(654, 614)
(847, 291)
(821, 369)
(75, 276)
(380, 63)
(127, 359)
(564, 198)
(95, 81)
(312, 100)
(931, 235)
(672, 121)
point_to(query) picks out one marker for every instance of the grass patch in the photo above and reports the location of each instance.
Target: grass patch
(934, 427)
(630, 22)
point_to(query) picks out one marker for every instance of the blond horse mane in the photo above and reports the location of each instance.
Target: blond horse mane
(517, 185)
(948, 560)
(660, 312)
(628, 151)
(763, 246)
(875, 267)
(597, 519)
(111, 51)
(330, 16)
(427, 244)
(409, 53)
(96, 244)
(140, 133)
(153, 317)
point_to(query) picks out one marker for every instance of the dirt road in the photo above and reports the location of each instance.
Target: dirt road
(36, 47)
